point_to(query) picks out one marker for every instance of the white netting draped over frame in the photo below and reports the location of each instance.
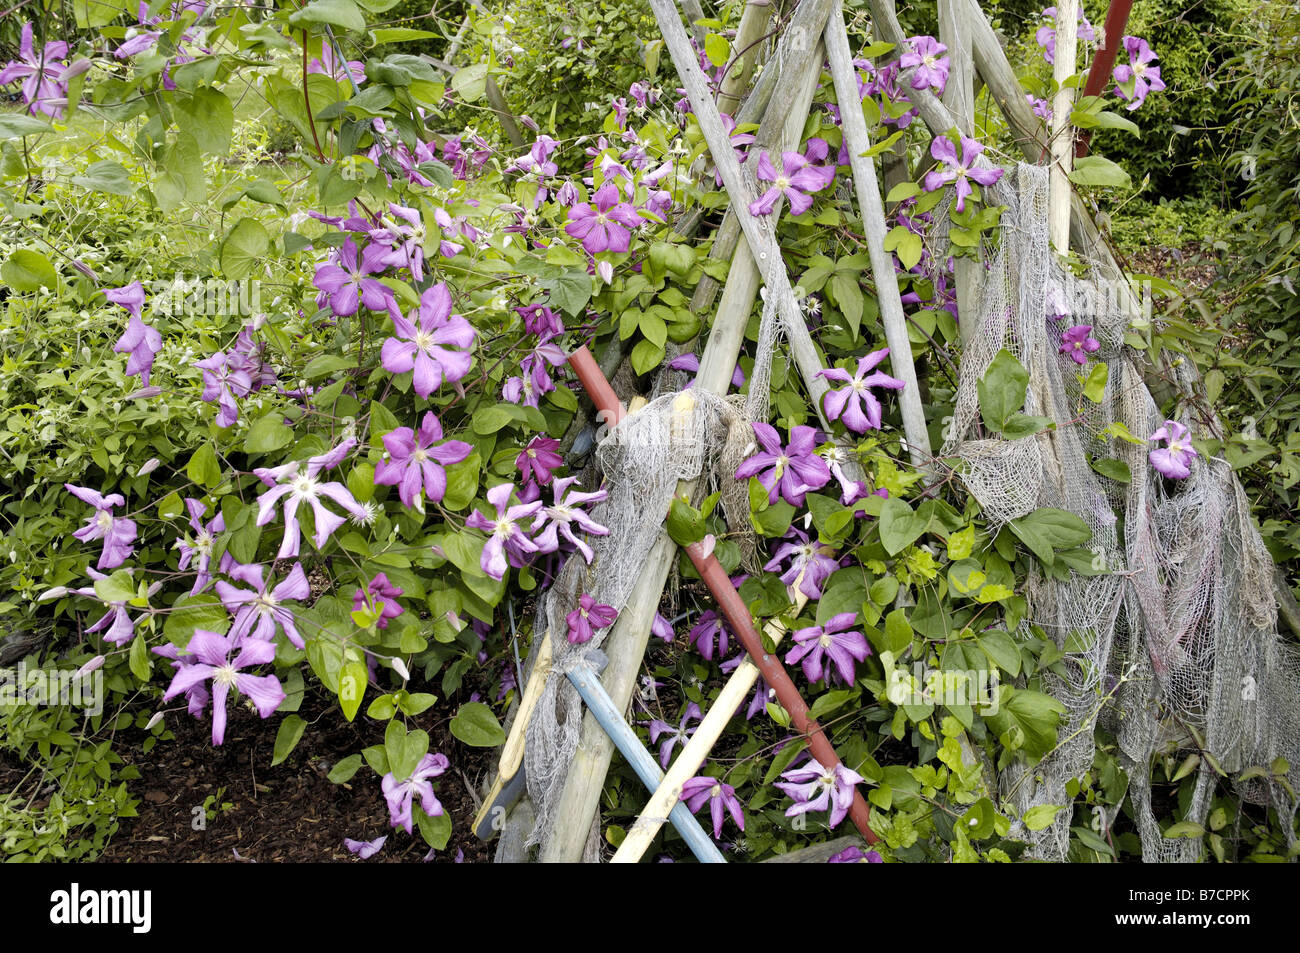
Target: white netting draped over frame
(1177, 639)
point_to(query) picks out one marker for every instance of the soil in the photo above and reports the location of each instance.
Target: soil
(291, 812)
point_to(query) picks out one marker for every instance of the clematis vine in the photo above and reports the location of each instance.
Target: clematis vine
(296, 483)
(1078, 343)
(143, 344)
(925, 55)
(1174, 460)
(787, 472)
(811, 558)
(721, 798)
(961, 171)
(401, 795)
(605, 225)
(815, 787)
(260, 610)
(414, 461)
(345, 279)
(381, 596)
(117, 532)
(589, 618)
(856, 406)
(507, 543)
(212, 662)
(199, 546)
(1139, 76)
(566, 514)
(668, 737)
(223, 382)
(433, 344)
(45, 78)
(819, 646)
(798, 181)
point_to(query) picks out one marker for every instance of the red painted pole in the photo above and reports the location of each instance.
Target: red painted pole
(774, 673)
(1103, 64)
(597, 386)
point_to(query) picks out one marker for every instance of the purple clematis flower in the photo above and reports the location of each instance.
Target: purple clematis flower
(1046, 34)
(836, 459)
(662, 628)
(345, 279)
(710, 634)
(720, 795)
(789, 472)
(535, 381)
(200, 544)
(506, 539)
(813, 558)
(143, 343)
(45, 78)
(381, 595)
(1175, 459)
(223, 382)
(818, 645)
(538, 460)
(130, 297)
(815, 787)
(588, 619)
(196, 696)
(605, 226)
(364, 849)
(961, 171)
(925, 53)
(855, 855)
(560, 519)
(1139, 71)
(117, 621)
(298, 482)
(117, 532)
(691, 364)
(847, 403)
(414, 461)
(434, 344)
(798, 180)
(541, 320)
(401, 794)
(212, 661)
(671, 736)
(1078, 343)
(258, 611)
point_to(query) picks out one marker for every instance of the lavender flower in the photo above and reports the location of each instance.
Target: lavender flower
(960, 171)
(1175, 459)
(506, 539)
(671, 736)
(400, 795)
(814, 559)
(721, 796)
(298, 482)
(1138, 73)
(434, 343)
(662, 628)
(847, 403)
(818, 645)
(117, 532)
(414, 461)
(212, 654)
(540, 320)
(925, 53)
(130, 297)
(605, 226)
(262, 606)
(196, 696)
(561, 518)
(1078, 343)
(789, 472)
(589, 618)
(346, 282)
(815, 787)
(798, 180)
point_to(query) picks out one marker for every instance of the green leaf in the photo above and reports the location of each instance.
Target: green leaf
(1025, 425)
(105, 176)
(209, 117)
(570, 291)
(118, 587)
(343, 771)
(323, 365)
(1041, 817)
(244, 248)
(139, 662)
(401, 35)
(352, 687)
(1001, 649)
(404, 749)
(1094, 385)
(28, 270)
(717, 49)
(1116, 470)
(190, 612)
(898, 632)
(340, 13)
(181, 177)
(1033, 714)
(470, 82)
(1002, 389)
(488, 420)
(1048, 529)
(287, 738)
(203, 467)
(16, 125)
(848, 298)
(436, 831)
(646, 356)
(1099, 171)
(899, 526)
(475, 725)
(267, 434)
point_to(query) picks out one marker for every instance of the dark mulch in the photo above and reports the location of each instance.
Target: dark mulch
(291, 812)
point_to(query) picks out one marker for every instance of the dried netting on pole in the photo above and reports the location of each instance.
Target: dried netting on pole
(1176, 640)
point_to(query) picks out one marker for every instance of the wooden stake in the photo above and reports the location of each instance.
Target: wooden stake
(1063, 69)
(744, 52)
(959, 97)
